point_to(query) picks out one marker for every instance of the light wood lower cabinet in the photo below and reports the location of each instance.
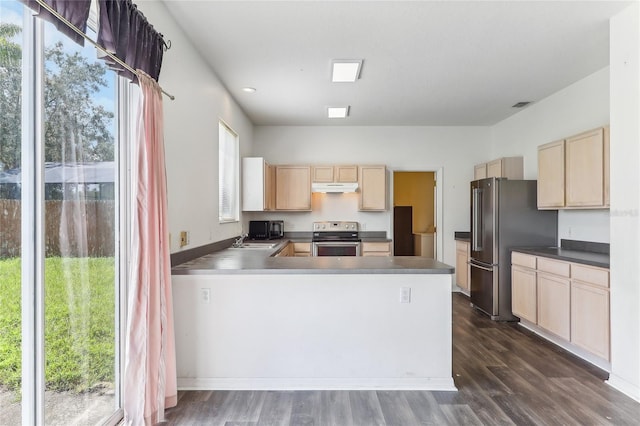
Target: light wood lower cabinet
(590, 318)
(554, 304)
(568, 299)
(463, 270)
(286, 251)
(524, 302)
(376, 249)
(302, 249)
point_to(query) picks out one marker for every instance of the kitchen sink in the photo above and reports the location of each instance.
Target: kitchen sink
(256, 246)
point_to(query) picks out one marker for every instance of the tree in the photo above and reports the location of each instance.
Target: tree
(10, 97)
(77, 128)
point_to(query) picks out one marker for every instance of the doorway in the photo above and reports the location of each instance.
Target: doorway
(414, 213)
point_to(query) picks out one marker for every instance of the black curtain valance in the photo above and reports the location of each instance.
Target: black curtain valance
(124, 31)
(74, 11)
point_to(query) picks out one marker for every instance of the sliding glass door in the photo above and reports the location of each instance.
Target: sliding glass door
(60, 227)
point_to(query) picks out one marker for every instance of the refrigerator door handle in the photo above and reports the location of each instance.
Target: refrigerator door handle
(476, 225)
(484, 268)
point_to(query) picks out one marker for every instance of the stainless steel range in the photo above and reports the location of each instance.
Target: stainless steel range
(335, 239)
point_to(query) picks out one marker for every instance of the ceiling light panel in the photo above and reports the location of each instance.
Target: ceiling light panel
(346, 71)
(337, 112)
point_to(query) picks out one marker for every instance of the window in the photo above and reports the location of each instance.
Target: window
(228, 158)
(61, 233)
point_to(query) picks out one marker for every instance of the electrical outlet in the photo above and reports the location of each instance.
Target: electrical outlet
(184, 238)
(405, 295)
(205, 295)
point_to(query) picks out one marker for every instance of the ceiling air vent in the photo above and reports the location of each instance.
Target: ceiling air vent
(521, 104)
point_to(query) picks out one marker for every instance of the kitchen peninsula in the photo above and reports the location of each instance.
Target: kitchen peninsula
(247, 320)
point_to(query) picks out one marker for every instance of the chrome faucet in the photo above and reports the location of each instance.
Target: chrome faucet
(238, 242)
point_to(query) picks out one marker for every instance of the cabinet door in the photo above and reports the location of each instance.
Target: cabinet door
(551, 175)
(584, 162)
(270, 187)
(293, 188)
(494, 168)
(323, 174)
(554, 304)
(346, 174)
(254, 171)
(606, 166)
(373, 187)
(376, 249)
(302, 249)
(462, 267)
(480, 171)
(590, 318)
(523, 293)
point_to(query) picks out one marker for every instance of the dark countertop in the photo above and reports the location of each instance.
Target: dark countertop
(259, 261)
(577, 256)
(462, 236)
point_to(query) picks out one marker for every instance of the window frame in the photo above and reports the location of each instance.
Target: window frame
(233, 187)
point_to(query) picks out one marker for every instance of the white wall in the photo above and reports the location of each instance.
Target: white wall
(582, 106)
(191, 135)
(454, 149)
(625, 201)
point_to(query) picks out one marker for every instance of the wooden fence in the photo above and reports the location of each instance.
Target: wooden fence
(72, 228)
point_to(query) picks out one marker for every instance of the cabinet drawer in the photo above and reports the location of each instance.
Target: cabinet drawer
(556, 267)
(590, 274)
(302, 247)
(379, 247)
(526, 260)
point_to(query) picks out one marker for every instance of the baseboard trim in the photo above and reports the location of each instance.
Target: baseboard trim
(429, 384)
(629, 389)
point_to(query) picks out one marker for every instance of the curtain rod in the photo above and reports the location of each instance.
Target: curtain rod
(96, 45)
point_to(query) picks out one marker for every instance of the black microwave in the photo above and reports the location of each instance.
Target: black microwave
(266, 229)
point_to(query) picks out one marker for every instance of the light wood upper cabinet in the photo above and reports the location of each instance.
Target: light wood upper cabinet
(480, 171)
(322, 174)
(293, 188)
(463, 270)
(551, 175)
(584, 162)
(346, 174)
(373, 187)
(574, 173)
(505, 167)
(258, 185)
(329, 174)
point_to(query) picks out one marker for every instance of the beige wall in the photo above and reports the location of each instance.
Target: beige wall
(416, 189)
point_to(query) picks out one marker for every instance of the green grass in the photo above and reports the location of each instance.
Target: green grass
(79, 323)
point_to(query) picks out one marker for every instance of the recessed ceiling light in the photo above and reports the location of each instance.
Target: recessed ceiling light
(249, 89)
(337, 112)
(346, 71)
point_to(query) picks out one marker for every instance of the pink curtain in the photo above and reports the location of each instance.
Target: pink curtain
(150, 367)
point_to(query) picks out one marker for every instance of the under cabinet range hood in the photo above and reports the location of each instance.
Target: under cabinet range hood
(334, 187)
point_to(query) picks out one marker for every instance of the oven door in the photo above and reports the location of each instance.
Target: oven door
(336, 248)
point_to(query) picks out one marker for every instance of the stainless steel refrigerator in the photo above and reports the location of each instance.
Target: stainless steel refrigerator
(504, 215)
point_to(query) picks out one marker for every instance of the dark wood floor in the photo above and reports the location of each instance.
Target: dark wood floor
(505, 375)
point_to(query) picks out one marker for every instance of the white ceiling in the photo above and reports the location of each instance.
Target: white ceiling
(425, 62)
